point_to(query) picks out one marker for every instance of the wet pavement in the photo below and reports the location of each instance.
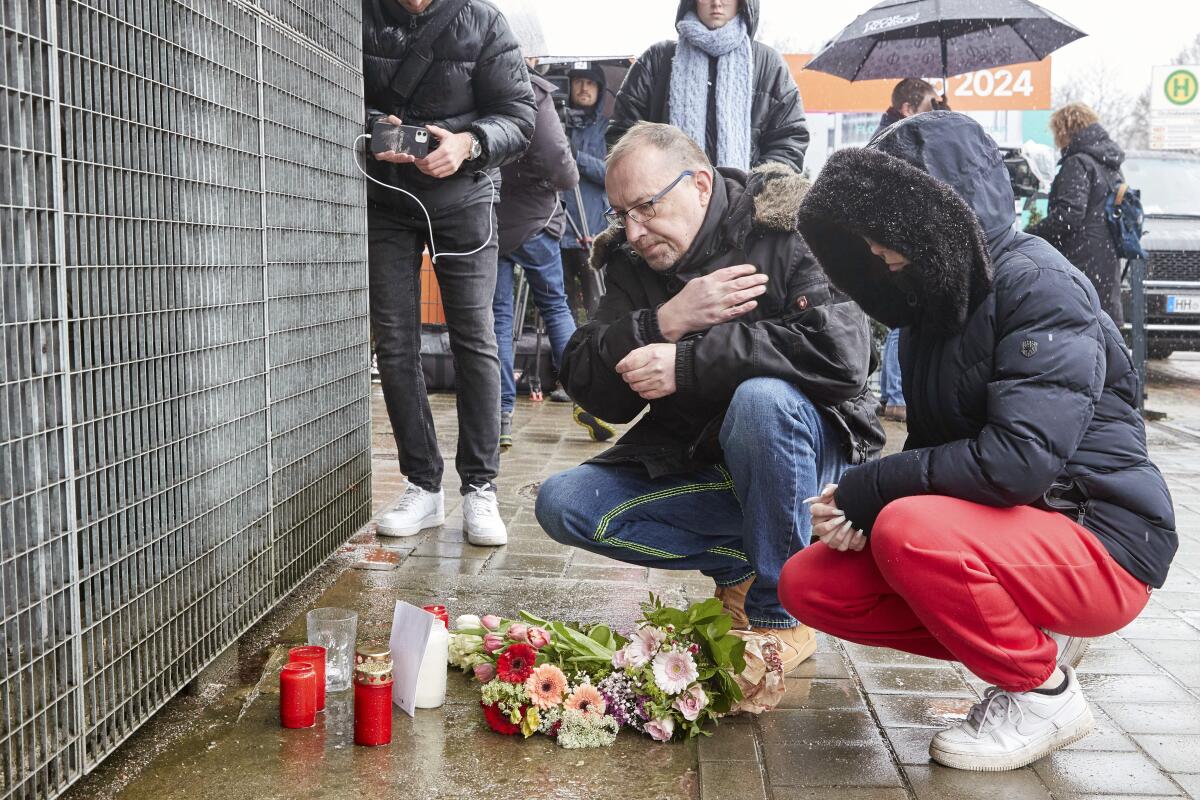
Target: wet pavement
(855, 722)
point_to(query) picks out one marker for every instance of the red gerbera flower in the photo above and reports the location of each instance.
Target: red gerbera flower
(497, 720)
(515, 664)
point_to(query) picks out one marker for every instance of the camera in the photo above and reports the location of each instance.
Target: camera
(409, 139)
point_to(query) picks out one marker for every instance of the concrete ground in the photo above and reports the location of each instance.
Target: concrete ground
(855, 722)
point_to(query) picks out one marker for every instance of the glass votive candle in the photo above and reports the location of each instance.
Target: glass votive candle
(312, 654)
(297, 695)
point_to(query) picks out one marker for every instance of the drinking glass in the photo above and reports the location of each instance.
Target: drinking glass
(334, 629)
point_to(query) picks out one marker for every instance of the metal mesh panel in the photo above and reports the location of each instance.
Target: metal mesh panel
(332, 24)
(184, 423)
(39, 650)
(319, 336)
(168, 346)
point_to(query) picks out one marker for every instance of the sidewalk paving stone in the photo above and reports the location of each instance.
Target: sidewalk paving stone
(855, 723)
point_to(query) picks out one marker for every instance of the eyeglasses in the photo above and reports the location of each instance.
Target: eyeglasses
(642, 212)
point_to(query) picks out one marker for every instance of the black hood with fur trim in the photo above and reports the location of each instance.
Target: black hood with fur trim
(1019, 388)
(938, 206)
(801, 331)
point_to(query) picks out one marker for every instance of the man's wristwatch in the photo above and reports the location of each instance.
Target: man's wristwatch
(476, 147)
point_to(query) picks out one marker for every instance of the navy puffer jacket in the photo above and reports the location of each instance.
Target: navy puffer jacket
(1020, 389)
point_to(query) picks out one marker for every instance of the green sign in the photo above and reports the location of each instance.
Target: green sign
(1181, 87)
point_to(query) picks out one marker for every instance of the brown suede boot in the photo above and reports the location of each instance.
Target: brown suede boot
(733, 598)
(796, 644)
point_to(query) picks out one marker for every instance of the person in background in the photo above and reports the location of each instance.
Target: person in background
(532, 222)
(733, 95)
(754, 371)
(586, 126)
(1090, 168)
(475, 99)
(910, 96)
(1024, 514)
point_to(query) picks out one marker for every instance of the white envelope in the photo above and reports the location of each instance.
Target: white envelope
(410, 634)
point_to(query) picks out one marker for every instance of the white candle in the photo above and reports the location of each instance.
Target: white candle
(431, 680)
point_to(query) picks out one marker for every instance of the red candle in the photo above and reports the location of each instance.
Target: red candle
(373, 704)
(440, 613)
(297, 695)
(312, 654)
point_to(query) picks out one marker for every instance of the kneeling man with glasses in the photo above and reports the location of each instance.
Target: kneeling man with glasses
(754, 368)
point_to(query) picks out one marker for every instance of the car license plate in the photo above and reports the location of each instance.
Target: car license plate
(1183, 304)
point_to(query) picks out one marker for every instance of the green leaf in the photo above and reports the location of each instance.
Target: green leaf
(528, 618)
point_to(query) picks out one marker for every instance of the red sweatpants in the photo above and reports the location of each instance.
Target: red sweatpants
(947, 578)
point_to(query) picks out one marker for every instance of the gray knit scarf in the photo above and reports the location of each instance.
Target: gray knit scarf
(730, 45)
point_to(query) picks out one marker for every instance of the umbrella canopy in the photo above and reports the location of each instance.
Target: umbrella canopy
(928, 38)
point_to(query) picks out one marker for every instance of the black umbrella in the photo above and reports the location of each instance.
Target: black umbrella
(927, 38)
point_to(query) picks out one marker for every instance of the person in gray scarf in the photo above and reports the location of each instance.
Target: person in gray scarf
(735, 97)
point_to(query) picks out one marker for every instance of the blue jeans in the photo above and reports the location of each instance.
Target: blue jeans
(732, 521)
(541, 259)
(891, 391)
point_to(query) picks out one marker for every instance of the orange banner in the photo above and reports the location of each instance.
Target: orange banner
(1017, 87)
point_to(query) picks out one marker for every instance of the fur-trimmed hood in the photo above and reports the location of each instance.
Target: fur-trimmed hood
(935, 189)
(766, 199)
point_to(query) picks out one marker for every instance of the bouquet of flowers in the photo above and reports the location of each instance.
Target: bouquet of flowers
(678, 669)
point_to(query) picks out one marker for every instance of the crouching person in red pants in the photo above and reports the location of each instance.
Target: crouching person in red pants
(1023, 513)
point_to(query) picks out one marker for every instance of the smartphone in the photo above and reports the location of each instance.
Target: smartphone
(408, 139)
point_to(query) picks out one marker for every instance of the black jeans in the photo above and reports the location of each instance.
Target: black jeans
(395, 243)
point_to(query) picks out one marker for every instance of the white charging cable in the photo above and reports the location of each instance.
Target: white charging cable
(434, 255)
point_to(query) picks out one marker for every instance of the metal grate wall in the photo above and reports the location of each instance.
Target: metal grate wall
(184, 420)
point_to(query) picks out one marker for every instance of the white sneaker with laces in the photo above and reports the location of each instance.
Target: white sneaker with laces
(481, 518)
(416, 511)
(1008, 730)
(1071, 649)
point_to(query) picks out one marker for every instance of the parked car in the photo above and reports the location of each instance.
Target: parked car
(1170, 186)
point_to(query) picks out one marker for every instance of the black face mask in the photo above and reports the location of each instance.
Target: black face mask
(908, 280)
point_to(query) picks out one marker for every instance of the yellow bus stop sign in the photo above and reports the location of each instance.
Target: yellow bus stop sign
(1181, 87)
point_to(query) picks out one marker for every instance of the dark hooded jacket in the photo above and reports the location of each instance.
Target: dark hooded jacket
(586, 129)
(1019, 391)
(801, 331)
(889, 118)
(529, 194)
(778, 131)
(1089, 169)
(477, 83)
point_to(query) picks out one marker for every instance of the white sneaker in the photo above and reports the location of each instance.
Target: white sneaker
(481, 518)
(416, 511)
(1071, 649)
(1007, 730)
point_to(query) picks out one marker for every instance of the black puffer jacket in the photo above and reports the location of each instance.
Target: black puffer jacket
(778, 131)
(529, 198)
(801, 332)
(1089, 169)
(477, 82)
(1019, 391)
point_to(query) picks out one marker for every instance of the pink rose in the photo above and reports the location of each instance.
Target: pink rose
(484, 672)
(493, 642)
(517, 632)
(691, 703)
(539, 637)
(661, 730)
(490, 621)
